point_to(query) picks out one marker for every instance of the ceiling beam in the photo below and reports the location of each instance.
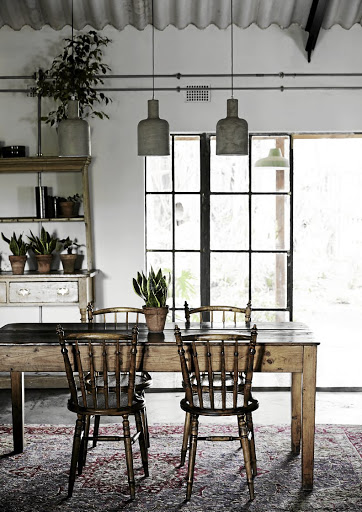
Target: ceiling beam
(314, 23)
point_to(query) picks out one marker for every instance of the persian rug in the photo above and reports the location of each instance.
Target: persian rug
(37, 479)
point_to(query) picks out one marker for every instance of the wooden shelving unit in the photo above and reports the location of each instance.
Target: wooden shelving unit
(56, 288)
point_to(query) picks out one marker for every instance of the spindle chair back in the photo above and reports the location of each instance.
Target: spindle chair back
(206, 313)
(87, 356)
(223, 355)
(130, 317)
(125, 315)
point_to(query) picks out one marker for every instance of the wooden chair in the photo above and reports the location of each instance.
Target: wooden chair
(143, 380)
(209, 310)
(207, 354)
(110, 354)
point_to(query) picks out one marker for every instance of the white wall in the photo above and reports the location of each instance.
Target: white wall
(116, 173)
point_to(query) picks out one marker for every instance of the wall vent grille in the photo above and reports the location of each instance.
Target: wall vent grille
(198, 93)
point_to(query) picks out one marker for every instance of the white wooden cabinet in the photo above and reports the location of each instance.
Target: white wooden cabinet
(57, 288)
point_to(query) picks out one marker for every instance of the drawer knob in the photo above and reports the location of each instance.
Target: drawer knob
(23, 292)
(63, 291)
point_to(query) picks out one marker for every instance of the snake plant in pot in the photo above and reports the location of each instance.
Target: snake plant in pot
(43, 248)
(153, 290)
(19, 248)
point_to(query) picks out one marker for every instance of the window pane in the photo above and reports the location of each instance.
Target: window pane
(162, 260)
(270, 222)
(228, 173)
(269, 316)
(187, 164)
(187, 221)
(158, 174)
(187, 278)
(229, 226)
(328, 248)
(159, 224)
(269, 179)
(268, 280)
(229, 279)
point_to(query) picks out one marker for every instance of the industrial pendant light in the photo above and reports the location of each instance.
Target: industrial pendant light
(232, 132)
(274, 159)
(153, 132)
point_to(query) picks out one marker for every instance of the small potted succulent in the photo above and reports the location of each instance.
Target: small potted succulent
(19, 248)
(69, 206)
(43, 248)
(153, 290)
(68, 260)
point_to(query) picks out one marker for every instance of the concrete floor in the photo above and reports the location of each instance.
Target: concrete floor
(49, 406)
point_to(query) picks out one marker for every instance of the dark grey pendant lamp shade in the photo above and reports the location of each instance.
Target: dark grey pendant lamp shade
(153, 133)
(232, 132)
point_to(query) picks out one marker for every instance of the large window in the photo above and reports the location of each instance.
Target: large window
(221, 226)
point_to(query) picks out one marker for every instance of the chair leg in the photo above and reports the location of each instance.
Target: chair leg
(75, 454)
(82, 446)
(96, 430)
(142, 442)
(246, 452)
(129, 457)
(192, 456)
(185, 440)
(249, 422)
(85, 440)
(145, 426)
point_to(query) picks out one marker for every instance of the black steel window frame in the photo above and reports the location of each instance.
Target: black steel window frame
(205, 194)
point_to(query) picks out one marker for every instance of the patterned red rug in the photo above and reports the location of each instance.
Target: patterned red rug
(37, 479)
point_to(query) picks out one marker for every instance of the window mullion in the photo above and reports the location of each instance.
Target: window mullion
(205, 219)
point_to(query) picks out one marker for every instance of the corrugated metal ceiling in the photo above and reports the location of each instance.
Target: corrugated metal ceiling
(180, 13)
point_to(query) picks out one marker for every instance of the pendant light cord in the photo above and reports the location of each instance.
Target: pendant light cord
(232, 49)
(73, 66)
(153, 55)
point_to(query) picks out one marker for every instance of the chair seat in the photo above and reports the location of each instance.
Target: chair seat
(216, 381)
(142, 381)
(112, 408)
(217, 409)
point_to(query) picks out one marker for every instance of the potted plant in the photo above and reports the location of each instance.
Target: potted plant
(19, 248)
(69, 207)
(68, 260)
(153, 290)
(43, 248)
(73, 80)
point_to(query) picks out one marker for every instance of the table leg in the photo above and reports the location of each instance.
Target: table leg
(308, 415)
(296, 407)
(17, 400)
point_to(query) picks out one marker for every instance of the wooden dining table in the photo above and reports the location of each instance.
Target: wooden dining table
(285, 347)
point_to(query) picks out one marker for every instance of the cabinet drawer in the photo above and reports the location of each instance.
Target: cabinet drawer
(44, 292)
(2, 293)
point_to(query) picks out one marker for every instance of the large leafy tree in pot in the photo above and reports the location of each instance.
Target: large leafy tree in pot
(75, 74)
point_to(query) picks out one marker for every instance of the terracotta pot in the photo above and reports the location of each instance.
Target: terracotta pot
(68, 262)
(44, 262)
(67, 208)
(17, 264)
(155, 318)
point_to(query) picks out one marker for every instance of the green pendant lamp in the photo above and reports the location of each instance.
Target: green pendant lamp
(232, 132)
(153, 133)
(274, 159)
